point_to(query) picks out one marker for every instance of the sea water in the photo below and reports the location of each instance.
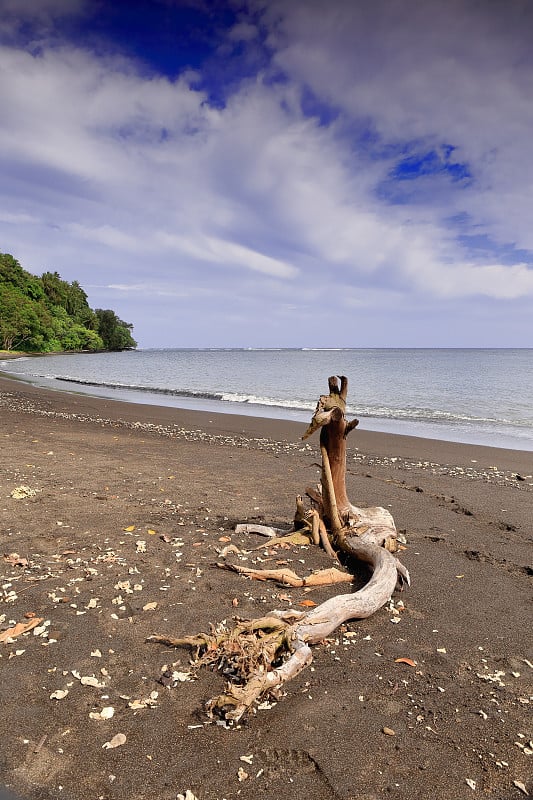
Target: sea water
(480, 396)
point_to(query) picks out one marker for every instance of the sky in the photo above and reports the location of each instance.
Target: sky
(276, 173)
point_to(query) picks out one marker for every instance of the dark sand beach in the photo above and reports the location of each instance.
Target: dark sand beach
(118, 537)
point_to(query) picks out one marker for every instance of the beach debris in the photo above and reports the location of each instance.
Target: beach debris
(409, 661)
(388, 731)
(129, 529)
(287, 577)
(472, 784)
(230, 548)
(106, 713)
(21, 492)
(20, 628)
(520, 785)
(187, 796)
(140, 546)
(247, 759)
(150, 606)
(147, 702)
(117, 741)
(181, 677)
(262, 530)
(242, 775)
(15, 560)
(59, 694)
(265, 706)
(88, 680)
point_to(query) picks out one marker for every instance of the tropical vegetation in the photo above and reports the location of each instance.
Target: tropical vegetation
(47, 314)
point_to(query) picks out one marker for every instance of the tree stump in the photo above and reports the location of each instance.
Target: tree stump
(267, 652)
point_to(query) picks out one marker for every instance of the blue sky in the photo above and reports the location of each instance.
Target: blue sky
(272, 173)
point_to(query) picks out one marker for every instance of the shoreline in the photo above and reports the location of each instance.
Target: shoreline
(299, 419)
(364, 446)
(502, 435)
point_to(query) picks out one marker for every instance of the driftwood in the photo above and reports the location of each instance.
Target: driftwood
(262, 654)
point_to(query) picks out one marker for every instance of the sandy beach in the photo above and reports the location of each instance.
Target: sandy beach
(117, 535)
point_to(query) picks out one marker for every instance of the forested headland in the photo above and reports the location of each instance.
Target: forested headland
(47, 314)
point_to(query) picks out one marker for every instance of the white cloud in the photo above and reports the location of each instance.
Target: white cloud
(121, 175)
(15, 14)
(242, 32)
(429, 73)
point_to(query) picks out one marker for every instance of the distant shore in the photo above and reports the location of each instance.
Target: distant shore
(12, 354)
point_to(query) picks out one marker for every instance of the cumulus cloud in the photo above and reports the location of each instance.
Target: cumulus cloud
(382, 156)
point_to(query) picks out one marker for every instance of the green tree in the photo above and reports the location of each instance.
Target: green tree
(115, 333)
(55, 289)
(24, 324)
(49, 314)
(11, 273)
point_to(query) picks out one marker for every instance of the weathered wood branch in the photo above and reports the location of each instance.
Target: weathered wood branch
(267, 652)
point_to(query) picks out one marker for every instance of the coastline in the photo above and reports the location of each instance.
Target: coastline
(182, 479)
(375, 444)
(471, 420)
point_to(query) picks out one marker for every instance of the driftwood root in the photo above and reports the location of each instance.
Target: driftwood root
(259, 656)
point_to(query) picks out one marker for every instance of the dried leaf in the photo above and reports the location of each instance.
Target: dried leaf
(388, 731)
(117, 740)
(20, 628)
(151, 532)
(150, 607)
(408, 661)
(307, 603)
(21, 492)
(15, 560)
(129, 529)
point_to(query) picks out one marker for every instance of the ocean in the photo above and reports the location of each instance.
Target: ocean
(478, 396)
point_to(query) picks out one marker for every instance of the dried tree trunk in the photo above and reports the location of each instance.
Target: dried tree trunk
(364, 534)
(338, 511)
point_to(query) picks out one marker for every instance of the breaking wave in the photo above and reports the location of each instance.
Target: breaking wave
(412, 414)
